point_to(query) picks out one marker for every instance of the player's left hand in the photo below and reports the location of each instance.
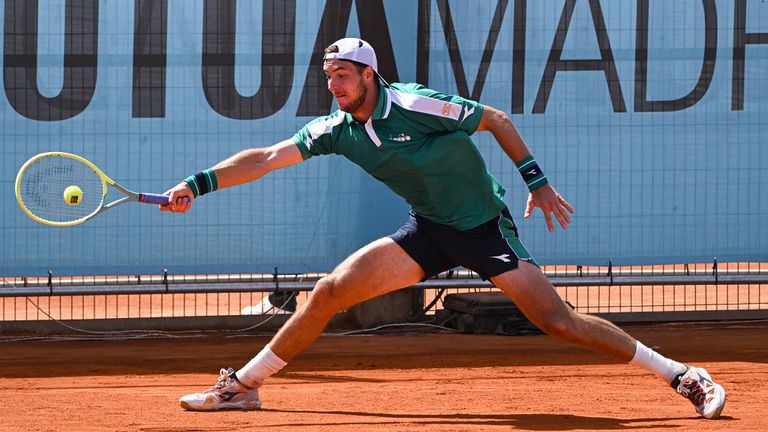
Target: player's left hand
(550, 202)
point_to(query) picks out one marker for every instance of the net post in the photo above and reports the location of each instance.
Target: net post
(610, 271)
(165, 279)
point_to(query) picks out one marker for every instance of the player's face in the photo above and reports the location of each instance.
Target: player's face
(346, 84)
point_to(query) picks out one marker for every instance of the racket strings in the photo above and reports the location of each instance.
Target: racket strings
(43, 184)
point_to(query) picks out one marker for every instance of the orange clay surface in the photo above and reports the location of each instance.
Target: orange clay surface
(427, 382)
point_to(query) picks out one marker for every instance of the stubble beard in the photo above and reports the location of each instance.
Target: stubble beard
(355, 104)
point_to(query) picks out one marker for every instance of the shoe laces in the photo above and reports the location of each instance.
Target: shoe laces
(223, 380)
(691, 389)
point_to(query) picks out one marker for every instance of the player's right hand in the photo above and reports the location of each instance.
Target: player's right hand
(180, 199)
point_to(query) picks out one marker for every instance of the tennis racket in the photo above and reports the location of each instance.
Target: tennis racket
(63, 189)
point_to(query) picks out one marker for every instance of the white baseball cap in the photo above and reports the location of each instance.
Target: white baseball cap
(357, 50)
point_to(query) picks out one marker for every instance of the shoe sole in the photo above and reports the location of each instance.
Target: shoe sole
(224, 406)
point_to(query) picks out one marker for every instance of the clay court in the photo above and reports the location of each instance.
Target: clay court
(419, 382)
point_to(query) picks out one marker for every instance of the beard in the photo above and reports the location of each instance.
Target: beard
(356, 103)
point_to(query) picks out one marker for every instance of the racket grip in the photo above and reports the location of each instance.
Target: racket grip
(153, 198)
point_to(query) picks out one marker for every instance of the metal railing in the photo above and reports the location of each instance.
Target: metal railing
(701, 291)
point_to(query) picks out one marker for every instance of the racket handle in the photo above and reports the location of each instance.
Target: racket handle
(153, 198)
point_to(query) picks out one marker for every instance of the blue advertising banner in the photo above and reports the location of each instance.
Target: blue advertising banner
(649, 117)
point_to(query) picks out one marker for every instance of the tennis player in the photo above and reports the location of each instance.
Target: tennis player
(417, 142)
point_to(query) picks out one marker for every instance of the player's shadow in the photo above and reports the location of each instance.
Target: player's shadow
(534, 422)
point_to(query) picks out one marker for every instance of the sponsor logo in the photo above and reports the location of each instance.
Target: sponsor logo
(502, 258)
(467, 112)
(228, 396)
(400, 138)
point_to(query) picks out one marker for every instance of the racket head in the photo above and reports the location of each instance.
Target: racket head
(41, 182)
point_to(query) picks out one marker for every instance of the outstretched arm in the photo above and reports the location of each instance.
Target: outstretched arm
(245, 166)
(545, 197)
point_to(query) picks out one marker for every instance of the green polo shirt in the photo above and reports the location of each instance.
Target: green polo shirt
(417, 143)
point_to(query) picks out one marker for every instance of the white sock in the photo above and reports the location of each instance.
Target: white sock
(664, 368)
(265, 364)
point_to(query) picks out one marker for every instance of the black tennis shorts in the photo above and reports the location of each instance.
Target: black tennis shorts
(489, 249)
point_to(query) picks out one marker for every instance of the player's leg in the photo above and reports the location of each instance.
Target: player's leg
(537, 299)
(496, 253)
(376, 269)
(532, 292)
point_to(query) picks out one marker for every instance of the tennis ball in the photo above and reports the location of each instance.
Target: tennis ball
(73, 195)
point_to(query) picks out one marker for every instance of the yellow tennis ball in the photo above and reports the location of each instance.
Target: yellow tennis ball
(73, 195)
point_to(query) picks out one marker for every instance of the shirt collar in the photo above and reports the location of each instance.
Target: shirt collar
(383, 107)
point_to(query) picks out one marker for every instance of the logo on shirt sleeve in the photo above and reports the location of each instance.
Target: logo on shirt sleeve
(468, 111)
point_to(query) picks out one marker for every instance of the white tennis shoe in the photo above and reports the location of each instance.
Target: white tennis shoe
(707, 397)
(227, 393)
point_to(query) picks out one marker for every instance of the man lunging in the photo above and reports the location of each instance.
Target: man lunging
(417, 142)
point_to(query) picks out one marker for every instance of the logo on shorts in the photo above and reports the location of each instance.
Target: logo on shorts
(503, 258)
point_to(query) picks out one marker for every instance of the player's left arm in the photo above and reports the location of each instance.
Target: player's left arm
(543, 196)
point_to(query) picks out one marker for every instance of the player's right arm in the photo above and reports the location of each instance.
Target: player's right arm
(242, 167)
(252, 164)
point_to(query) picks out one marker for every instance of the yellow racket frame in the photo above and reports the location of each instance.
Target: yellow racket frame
(105, 180)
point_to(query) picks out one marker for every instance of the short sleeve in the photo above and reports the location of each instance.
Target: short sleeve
(456, 112)
(316, 137)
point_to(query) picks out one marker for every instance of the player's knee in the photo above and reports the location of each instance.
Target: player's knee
(326, 294)
(561, 327)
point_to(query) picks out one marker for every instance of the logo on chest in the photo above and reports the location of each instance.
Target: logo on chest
(400, 138)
